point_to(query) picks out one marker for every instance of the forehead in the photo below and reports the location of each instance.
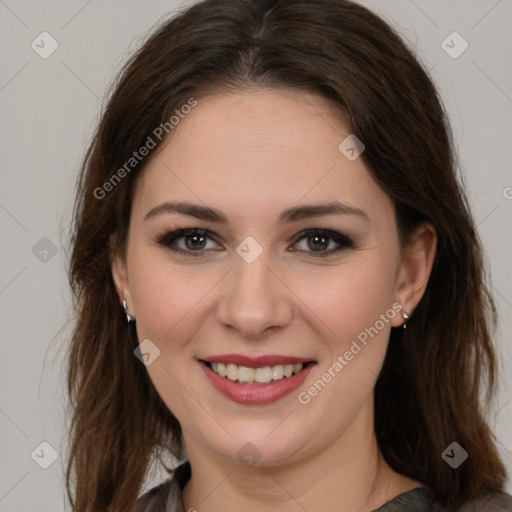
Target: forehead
(261, 148)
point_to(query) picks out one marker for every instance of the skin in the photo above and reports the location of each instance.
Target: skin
(252, 155)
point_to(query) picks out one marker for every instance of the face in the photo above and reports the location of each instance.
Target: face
(264, 276)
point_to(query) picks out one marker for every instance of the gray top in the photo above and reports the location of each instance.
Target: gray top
(166, 497)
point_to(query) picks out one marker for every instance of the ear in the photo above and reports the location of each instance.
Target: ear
(120, 274)
(418, 256)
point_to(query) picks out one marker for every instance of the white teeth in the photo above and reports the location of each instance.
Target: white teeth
(263, 375)
(278, 372)
(232, 371)
(245, 374)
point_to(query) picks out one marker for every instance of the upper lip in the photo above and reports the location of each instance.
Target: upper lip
(256, 362)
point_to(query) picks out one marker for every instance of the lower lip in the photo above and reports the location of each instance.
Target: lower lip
(255, 395)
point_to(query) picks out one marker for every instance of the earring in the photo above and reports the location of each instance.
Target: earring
(129, 317)
(405, 316)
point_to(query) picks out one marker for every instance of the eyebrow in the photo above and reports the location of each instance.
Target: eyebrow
(289, 215)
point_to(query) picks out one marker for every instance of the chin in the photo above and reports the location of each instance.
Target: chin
(261, 443)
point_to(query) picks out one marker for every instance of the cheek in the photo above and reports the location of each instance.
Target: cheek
(355, 305)
(168, 302)
(351, 298)
(166, 298)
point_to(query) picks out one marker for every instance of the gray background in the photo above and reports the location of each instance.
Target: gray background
(48, 109)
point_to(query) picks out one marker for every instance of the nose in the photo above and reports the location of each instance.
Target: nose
(254, 299)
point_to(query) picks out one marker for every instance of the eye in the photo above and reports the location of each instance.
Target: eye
(319, 240)
(191, 242)
(316, 242)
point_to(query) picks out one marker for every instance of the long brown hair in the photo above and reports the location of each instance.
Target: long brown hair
(429, 393)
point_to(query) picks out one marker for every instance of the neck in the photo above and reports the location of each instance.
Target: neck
(345, 476)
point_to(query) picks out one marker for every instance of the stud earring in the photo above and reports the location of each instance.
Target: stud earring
(405, 316)
(129, 317)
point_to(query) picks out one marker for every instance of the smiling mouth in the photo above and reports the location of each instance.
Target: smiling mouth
(256, 376)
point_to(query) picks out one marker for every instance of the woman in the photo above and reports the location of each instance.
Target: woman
(275, 270)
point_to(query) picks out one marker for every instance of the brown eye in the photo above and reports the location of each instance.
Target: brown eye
(318, 242)
(191, 242)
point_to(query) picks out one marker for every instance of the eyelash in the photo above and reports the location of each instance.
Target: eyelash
(344, 241)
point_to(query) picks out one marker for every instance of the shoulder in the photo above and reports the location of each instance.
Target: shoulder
(492, 502)
(421, 499)
(155, 499)
(166, 497)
